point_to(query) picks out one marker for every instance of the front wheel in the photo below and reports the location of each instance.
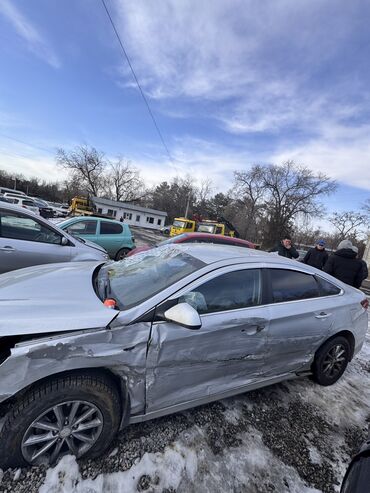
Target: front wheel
(121, 254)
(77, 414)
(331, 361)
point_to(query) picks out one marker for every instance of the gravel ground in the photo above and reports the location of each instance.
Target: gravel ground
(291, 437)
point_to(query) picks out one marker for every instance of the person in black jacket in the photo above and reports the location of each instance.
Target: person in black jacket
(285, 248)
(316, 257)
(344, 265)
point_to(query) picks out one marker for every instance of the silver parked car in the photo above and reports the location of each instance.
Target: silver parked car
(27, 239)
(89, 347)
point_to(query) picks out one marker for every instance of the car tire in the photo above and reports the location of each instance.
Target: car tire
(94, 391)
(121, 254)
(331, 361)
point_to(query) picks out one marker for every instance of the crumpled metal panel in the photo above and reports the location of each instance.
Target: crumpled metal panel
(51, 298)
(225, 353)
(121, 350)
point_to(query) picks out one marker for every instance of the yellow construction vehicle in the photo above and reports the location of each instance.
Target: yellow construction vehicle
(81, 206)
(184, 225)
(214, 227)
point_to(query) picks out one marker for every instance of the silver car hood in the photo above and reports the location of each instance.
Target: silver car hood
(51, 298)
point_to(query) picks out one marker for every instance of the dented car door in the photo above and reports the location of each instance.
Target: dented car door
(225, 354)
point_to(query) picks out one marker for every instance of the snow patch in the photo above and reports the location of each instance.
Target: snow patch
(166, 470)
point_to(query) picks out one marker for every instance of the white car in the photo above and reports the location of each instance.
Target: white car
(60, 210)
(24, 202)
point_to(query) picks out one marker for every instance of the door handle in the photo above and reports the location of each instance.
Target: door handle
(7, 249)
(323, 315)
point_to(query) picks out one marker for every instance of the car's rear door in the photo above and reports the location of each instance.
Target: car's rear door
(225, 354)
(299, 320)
(112, 236)
(25, 241)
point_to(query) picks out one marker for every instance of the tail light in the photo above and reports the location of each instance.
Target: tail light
(365, 303)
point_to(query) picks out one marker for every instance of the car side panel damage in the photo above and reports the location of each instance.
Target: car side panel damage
(122, 350)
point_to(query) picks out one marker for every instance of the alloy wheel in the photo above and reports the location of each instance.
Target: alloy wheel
(334, 360)
(71, 427)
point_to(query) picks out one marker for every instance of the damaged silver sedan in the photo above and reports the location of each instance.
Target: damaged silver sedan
(87, 348)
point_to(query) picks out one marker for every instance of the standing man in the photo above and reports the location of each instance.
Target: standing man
(344, 265)
(317, 256)
(285, 248)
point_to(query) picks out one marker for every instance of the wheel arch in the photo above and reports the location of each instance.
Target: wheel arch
(343, 333)
(114, 378)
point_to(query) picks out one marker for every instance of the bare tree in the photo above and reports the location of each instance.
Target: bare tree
(86, 166)
(349, 224)
(123, 182)
(278, 194)
(366, 208)
(249, 193)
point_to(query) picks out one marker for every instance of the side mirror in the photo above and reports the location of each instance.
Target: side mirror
(64, 241)
(185, 315)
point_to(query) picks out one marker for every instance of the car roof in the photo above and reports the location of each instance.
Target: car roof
(209, 253)
(16, 208)
(94, 218)
(211, 235)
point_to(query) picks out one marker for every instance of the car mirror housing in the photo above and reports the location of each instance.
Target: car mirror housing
(64, 241)
(357, 478)
(185, 315)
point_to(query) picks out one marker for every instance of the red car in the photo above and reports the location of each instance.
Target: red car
(197, 238)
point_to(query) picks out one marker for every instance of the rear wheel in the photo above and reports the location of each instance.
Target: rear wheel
(75, 414)
(121, 254)
(331, 361)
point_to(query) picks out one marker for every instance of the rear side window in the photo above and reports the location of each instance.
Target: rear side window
(289, 285)
(230, 291)
(327, 288)
(107, 228)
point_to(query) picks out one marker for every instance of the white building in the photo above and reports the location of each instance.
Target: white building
(134, 215)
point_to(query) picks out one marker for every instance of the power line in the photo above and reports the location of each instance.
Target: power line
(26, 143)
(137, 81)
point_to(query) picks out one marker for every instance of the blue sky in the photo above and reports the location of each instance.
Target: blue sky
(231, 83)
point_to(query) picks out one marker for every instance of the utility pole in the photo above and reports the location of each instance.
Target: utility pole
(15, 183)
(187, 205)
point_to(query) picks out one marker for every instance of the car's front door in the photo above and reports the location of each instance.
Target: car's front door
(226, 353)
(299, 320)
(25, 241)
(84, 228)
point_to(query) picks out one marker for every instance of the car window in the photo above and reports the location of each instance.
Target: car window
(327, 288)
(28, 202)
(83, 228)
(19, 227)
(107, 228)
(230, 291)
(289, 285)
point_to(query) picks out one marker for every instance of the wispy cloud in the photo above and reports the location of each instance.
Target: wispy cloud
(291, 71)
(35, 42)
